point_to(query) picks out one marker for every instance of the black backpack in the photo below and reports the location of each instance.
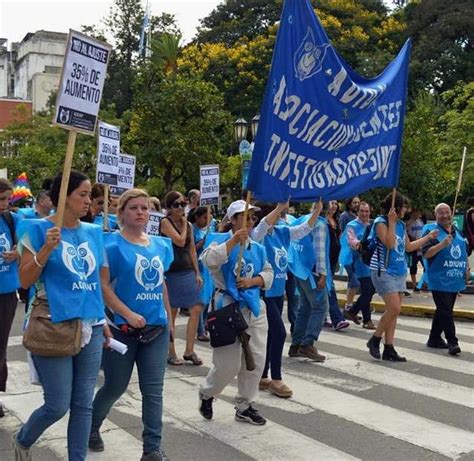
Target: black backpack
(367, 246)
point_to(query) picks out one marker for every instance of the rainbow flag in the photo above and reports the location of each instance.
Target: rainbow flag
(21, 188)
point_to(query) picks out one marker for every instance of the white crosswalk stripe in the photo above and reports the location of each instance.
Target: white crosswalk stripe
(340, 388)
(402, 425)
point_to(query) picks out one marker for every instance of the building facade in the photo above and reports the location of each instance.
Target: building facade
(32, 69)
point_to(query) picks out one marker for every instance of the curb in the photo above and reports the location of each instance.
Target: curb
(413, 310)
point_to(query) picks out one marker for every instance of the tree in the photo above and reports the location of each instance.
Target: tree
(177, 124)
(442, 43)
(122, 28)
(233, 20)
(37, 147)
(457, 132)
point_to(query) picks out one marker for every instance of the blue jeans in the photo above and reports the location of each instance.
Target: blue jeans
(292, 298)
(367, 292)
(314, 306)
(275, 337)
(68, 384)
(352, 280)
(201, 331)
(151, 364)
(334, 311)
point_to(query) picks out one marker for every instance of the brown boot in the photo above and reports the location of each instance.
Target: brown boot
(351, 316)
(310, 352)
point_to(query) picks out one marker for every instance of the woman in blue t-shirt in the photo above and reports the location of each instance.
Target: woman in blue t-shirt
(9, 281)
(203, 224)
(389, 271)
(65, 266)
(138, 312)
(276, 240)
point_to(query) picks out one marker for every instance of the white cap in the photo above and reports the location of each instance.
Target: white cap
(239, 207)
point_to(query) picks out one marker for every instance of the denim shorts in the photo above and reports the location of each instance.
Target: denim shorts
(386, 283)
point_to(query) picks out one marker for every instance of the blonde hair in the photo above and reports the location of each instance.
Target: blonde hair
(126, 197)
(155, 202)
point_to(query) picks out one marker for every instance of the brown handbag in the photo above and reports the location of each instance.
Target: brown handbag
(43, 337)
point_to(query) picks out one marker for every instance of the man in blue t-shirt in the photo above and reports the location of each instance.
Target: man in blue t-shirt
(448, 270)
(41, 209)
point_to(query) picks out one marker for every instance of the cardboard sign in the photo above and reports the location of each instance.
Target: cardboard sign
(126, 175)
(82, 82)
(108, 154)
(209, 184)
(153, 226)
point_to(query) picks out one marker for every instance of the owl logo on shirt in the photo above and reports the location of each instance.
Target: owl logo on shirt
(281, 258)
(149, 273)
(246, 271)
(400, 245)
(455, 251)
(79, 260)
(4, 246)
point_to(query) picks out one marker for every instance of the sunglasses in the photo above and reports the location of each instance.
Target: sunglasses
(177, 205)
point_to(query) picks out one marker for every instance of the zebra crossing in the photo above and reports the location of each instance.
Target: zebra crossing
(348, 408)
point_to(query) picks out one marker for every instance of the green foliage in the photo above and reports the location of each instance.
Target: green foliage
(233, 20)
(178, 124)
(442, 43)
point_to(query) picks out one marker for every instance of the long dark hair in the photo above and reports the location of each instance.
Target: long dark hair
(76, 178)
(400, 202)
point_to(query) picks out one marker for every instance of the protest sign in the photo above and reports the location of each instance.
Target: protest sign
(153, 226)
(245, 151)
(108, 154)
(82, 81)
(126, 175)
(79, 95)
(209, 175)
(4, 173)
(324, 130)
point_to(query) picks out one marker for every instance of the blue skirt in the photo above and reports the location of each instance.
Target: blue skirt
(183, 289)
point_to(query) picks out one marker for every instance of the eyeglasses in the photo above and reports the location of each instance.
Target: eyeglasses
(177, 205)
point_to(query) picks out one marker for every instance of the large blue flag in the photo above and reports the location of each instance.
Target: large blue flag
(325, 130)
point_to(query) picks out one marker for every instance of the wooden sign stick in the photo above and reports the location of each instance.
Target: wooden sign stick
(71, 143)
(244, 226)
(106, 207)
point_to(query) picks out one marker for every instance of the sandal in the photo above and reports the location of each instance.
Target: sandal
(193, 358)
(174, 361)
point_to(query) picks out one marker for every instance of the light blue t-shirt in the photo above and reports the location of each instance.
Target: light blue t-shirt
(9, 275)
(71, 276)
(137, 274)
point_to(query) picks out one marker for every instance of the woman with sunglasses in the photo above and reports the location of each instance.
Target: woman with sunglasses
(183, 277)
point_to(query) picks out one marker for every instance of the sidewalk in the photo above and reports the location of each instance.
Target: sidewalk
(417, 304)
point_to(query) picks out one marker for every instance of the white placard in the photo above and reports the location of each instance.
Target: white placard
(4, 173)
(153, 226)
(108, 154)
(209, 182)
(126, 174)
(82, 81)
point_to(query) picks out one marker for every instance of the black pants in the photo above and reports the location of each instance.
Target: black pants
(443, 318)
(276, 337)
(8, 303)
(367, 292)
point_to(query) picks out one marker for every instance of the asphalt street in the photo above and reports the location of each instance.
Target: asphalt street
(347, 408)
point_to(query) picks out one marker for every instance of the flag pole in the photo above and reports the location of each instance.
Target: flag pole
(244, 226)
(461, 173)
(106, 207)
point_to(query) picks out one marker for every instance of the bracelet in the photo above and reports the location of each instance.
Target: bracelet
(35, 259)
